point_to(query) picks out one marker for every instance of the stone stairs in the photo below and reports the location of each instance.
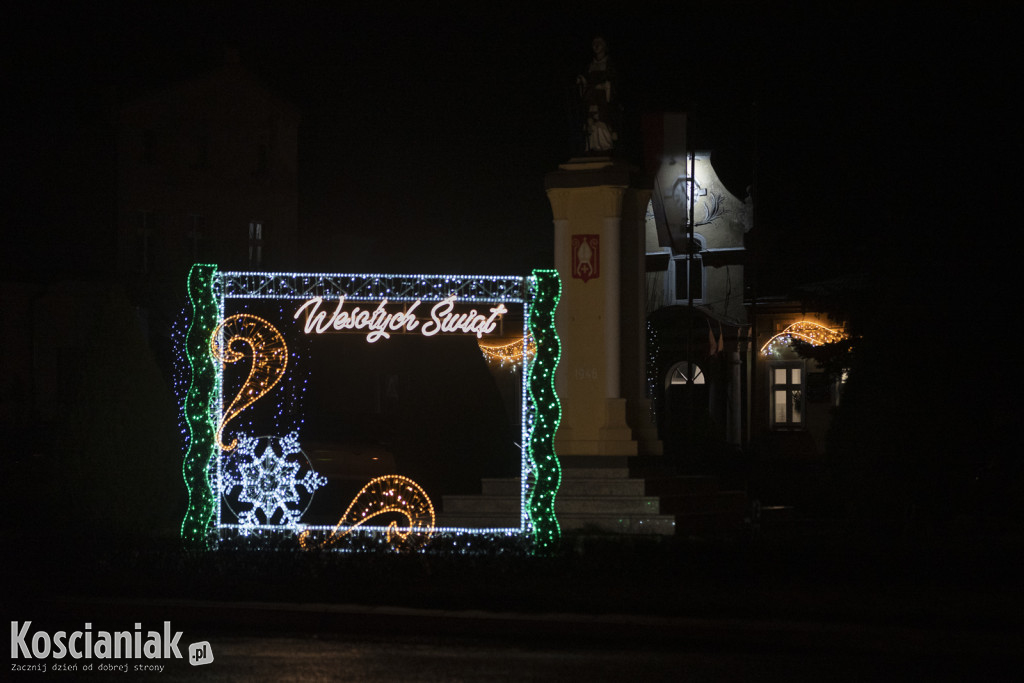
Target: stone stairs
(700, 507)
(607, 500)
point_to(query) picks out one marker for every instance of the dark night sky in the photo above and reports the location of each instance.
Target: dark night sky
(441, 123)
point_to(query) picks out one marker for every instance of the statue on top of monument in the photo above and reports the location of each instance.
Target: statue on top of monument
(598, 89)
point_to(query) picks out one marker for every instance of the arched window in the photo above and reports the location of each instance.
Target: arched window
(684, 373)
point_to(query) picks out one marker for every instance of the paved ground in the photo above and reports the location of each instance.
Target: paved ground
(284, 641)
(426, 658)
(611, 610)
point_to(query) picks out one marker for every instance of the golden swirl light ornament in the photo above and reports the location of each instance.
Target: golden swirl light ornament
(384, 495)
(811, 332)
(269, 353)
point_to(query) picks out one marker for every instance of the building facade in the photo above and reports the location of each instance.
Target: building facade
(207, 171)
(697, 322)
(660, 256)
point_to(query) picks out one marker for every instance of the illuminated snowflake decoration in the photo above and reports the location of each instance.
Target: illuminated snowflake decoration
(269, 482)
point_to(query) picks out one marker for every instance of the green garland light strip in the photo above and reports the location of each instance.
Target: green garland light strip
(545, 294)
(202, 446)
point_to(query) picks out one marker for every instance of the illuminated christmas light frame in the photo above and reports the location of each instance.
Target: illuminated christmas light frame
(210, 291)
(806, 330)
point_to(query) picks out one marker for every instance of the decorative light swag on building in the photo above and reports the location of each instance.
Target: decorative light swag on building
(805, 330)
(513, 353)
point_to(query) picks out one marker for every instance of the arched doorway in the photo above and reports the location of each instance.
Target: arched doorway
(687, 417)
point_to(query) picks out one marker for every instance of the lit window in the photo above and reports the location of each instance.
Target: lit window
(787, 394)
(686, 373)
(839, 386)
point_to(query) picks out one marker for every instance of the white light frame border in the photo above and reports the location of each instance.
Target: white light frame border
(358, 287)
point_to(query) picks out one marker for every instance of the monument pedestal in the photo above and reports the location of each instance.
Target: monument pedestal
(595, 318)
(613, 434)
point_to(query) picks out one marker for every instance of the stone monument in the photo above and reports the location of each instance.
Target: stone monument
(598, 90)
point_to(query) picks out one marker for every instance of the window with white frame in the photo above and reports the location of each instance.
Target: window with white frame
(839, 386)
(686, 273)
(688, 278)
(255, 244)
(787, 394)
